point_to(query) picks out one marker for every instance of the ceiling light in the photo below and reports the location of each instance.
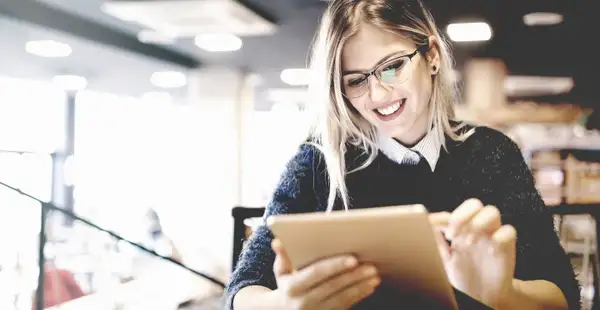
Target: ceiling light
(70, 82)
(218, 42)
(168, 79)
(469, 32)
(48, 48)
(157, 97)
(154, 37)
(537, 85)
(542, 19)
(182, 19)
(296, 77)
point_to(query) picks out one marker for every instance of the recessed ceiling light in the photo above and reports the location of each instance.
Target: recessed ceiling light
(70, 82)
(469, 32)
(542, 19)
(218, 42)
(157, 97)
(154, 37)
(296, 77)
(168, 79)
(48, 48)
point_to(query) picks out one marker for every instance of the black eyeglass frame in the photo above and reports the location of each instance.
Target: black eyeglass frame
(420, 49)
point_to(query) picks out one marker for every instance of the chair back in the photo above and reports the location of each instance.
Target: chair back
(240, 229)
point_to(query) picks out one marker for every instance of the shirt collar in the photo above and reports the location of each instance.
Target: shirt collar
(429, 147)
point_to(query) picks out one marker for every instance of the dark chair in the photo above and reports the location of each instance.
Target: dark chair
(240, 214)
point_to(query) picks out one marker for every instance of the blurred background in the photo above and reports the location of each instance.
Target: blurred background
(159, 119)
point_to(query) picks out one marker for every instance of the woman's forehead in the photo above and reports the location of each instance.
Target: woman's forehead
(369, 45)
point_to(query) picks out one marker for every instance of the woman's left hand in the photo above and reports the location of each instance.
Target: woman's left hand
(480, 261)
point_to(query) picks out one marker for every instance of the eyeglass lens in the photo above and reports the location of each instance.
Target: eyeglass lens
(392, 72)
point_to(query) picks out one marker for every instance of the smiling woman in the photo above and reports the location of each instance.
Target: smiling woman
(384, 135)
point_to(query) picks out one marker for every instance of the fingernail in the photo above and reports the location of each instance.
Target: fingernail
(375, 281)
(351, 261)
(476, 225)
(370, 271)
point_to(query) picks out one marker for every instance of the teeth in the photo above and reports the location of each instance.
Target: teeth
(390, 109)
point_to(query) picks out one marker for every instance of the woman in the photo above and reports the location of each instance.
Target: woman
(384, 136)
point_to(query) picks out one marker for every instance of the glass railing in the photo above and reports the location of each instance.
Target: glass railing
(88, 267)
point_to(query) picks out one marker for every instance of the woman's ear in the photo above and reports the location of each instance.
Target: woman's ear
(433, 55)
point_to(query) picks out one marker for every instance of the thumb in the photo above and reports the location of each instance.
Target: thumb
(439, 222)
(442, 244)
(282, 265)
(439, 219)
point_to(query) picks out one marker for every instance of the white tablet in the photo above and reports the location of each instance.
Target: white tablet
(398, 240)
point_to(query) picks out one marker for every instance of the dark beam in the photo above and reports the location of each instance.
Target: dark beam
(257, 9)
(43, 15)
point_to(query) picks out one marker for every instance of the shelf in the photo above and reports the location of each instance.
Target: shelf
(565, 209)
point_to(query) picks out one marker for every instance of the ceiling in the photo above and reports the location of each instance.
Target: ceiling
(562, 50)
(104, 67)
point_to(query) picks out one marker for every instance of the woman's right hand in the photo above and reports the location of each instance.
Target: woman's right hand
(333, 283)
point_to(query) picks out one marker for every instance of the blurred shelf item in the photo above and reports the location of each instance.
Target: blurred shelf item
(582, 180)
(564, 160)
(568, 176)
(520, 112)
(546, 136)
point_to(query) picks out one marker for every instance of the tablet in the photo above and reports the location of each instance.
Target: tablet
(398, 240)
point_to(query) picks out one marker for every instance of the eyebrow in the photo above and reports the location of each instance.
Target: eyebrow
(382, 60)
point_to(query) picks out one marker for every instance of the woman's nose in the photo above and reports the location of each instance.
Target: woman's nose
(377, 91)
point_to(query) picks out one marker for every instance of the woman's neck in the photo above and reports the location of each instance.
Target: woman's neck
(408, 143)
(415, 134)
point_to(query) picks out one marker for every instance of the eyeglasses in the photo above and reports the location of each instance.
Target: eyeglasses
(392, 72)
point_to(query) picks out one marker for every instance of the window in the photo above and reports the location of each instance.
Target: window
(33, 113)
(32, 123)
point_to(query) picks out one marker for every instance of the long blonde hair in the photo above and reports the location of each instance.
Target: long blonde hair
(336, 125)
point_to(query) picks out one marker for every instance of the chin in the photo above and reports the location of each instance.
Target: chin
(396, 130)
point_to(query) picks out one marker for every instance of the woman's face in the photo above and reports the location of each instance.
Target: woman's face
(400, 106)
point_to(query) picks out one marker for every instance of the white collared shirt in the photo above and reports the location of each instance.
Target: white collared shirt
(428, 147)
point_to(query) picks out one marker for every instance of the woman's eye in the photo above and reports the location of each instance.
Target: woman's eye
(356, 81)
(394, 65)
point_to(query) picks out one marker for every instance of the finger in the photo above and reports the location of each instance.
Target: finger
(461, 216)
(484, 223)
(442, 245)
(282, 265)
(488, 220)
(336, 284)
(351, 295)
(314, 274)
(504, 240)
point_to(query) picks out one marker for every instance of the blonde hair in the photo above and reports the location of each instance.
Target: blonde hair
(336, 125)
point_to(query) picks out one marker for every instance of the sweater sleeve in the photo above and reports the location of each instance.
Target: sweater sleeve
(294, 193)
(540, 255)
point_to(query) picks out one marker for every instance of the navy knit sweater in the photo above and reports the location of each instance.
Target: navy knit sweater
(487, 166)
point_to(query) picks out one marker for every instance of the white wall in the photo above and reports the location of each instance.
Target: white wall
(202, 180)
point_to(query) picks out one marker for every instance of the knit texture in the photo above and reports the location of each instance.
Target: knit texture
(488, 166)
